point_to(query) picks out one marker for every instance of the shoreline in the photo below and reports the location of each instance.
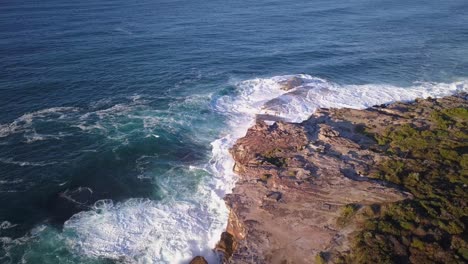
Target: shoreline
(267, 189)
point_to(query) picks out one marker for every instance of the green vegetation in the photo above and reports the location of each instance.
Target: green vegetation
(449, 117)
(273, 157)
(347, 212)
(431, 162)
(320, 259)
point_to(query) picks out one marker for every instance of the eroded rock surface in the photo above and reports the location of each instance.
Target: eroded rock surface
(296, 178)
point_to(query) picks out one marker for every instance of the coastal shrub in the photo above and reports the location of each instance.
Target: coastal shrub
(464, 162)
(391, 169)
(431, 164)
(412, 179)
(449, 154)
(347, 212)
(273, 157)
(417, 243)
(407, 225)
(463, 252)
(277, 161)
(441, 120)
(457, 113)
(320, 258)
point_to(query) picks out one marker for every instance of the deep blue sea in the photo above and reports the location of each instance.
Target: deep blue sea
(116, 116)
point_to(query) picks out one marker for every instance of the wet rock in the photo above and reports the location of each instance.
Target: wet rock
(198, 260)
(226, 246)
(291, 83)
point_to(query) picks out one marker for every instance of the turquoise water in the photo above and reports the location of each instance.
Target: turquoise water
(116, 116)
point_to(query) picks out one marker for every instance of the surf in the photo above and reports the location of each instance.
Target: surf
(173, 231)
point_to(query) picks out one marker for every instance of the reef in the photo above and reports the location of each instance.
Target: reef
(385, 184)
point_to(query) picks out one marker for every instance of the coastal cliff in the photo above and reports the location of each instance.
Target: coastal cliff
(345, 180)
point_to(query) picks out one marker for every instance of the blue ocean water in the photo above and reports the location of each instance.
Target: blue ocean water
(115, 116)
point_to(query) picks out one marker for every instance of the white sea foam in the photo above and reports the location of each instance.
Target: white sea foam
(298, 104)
(173, 231)
(6, 225)
(27, 163)
(144, 231)
(24, 123)
(176, 229)
(95, 119)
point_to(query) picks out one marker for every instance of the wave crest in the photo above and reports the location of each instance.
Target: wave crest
(174, 230)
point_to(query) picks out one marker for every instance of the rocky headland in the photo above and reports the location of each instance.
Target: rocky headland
(384, 184)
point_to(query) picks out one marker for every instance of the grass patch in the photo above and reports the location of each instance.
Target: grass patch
(347, 212)
(432, 164)
(273, 157)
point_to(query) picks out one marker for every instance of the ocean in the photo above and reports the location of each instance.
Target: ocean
(116, 117)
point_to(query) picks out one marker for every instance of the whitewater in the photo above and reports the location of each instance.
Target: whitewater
(175, 230)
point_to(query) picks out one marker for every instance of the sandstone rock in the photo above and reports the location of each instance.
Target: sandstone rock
(276, 196)
(198, 260)
(288, 212)
(226, 246)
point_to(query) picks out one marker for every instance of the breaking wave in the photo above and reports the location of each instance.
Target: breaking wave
(176, 229)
